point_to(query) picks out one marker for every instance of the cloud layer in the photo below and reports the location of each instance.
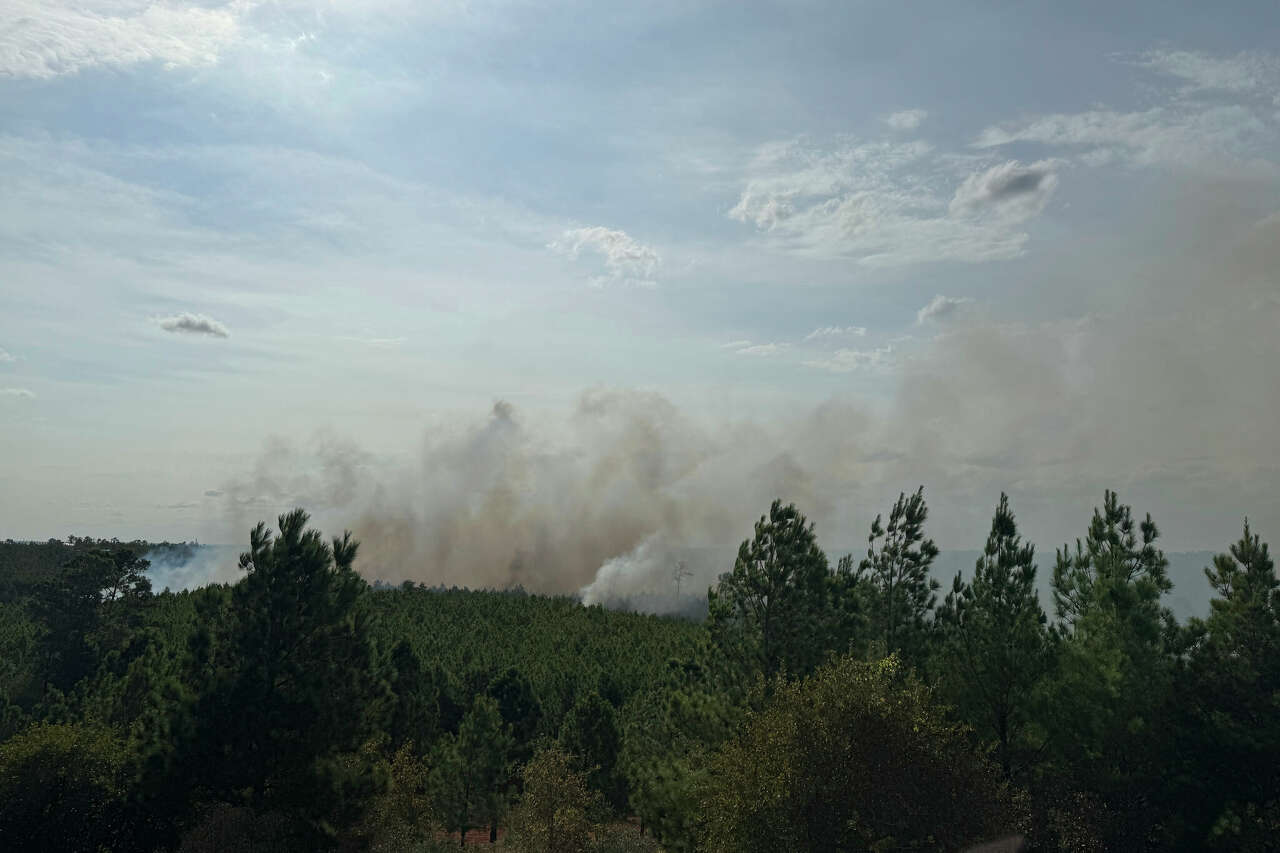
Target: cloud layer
(48, 38)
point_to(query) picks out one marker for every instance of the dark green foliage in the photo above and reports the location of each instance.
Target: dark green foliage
(469, 769)
(21, 682)
(855, 757)
(1116, 670)
(520, 710)
(1228, 700)
(772, 611)
(670, 735)
(415, 702)
(995, 646)
(90, 608)
(291, 675)
(898, 591)
(590, 732)
(65, 788)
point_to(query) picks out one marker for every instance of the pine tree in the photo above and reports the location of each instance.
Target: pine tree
(1116, 668)
(773, 609)
(900, 592)
(1230, 738)
(590, 732)
(996, 646)
(293, 675)
(470, 769)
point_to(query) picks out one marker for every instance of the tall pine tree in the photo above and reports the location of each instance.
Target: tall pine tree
(899, 591)
(1116, 669)
(774, 607)
(995, 643)
(1228, 746)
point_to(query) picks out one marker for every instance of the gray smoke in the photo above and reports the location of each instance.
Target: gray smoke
(1166, 391)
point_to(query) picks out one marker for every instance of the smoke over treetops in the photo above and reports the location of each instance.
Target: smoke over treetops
(1168, 396)
(625, 479)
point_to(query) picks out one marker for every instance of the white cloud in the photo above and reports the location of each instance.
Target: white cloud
(625, 259)
(1218, 121)
(16, 392)
(882, 204)
(1011, 191)
(48, 38)
(6, 357)
(764, 350)
(1244, 72)
(906, 119)
(941, 308)
(193, 324)
(735, 344)
(1161, 135)
(850, 360)
(836, 332)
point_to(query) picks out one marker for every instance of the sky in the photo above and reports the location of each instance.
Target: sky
(504, 274)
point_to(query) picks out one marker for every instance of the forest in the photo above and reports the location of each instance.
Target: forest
(846, 704)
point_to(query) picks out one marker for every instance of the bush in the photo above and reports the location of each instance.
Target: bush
(856, 757)
(63, 787)
(557, 813)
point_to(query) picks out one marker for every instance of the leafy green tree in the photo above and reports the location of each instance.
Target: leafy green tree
(773, 610)
(855, 757)
(899, 590)
(64, 787)
(400, 817)
(90, 607)
(558, 812)
(20, 667)
(1115, 669)
(995, 644)
(470, 770)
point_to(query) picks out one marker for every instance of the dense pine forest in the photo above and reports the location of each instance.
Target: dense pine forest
(837, 704)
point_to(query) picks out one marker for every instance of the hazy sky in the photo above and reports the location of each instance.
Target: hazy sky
(857, 246)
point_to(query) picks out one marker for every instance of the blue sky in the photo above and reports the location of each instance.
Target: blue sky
(1014, 246)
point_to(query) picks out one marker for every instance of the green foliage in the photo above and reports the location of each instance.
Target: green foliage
(90, 608)
(291, 673)
(855, 757)
(996, 648)
(559, 811)
(470, 769)
(20, 670)
(1116, 669)
(894, 577)
(64, 787)
(401, 815)
(772, 611)
(1227, 744)
(590, 732)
